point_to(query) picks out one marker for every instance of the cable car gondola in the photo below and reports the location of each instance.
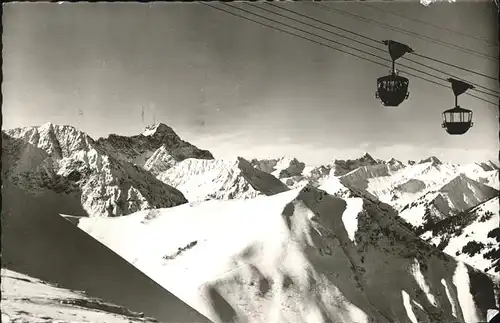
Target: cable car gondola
(393, 89)
(457, 121)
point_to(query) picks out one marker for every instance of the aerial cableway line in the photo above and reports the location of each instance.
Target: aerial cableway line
(486, 41)
(493, 92)
(323, 44)
(408, 32)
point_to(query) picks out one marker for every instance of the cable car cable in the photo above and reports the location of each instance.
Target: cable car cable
(377, 41)
(331, 47)
(342, 44)
(430, 24)
(455, 66)
(287, 32)
(431, 39)
(496, 94)
(325, 23)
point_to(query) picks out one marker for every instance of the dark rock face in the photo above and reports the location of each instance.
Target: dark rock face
(137, 149)
(434, 160)
(343, 167)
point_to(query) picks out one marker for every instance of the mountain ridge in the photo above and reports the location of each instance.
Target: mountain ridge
(323, 211)
(322, 227)
(67, 161)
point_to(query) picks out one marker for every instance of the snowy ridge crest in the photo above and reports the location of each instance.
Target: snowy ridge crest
(207, 179)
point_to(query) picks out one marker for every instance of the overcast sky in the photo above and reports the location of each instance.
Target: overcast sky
(238, 88)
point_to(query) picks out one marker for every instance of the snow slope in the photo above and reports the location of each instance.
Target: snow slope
(456, 196)
(470, 236)
(297, 256)
(66, 161)
(204, 179)
(405, 185)
(360, 177)
(38, 242)
(483, 173)
(26, 299)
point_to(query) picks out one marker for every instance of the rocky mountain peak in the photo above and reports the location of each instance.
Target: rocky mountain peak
(488, 166)
(367, 157)
(343, 167)
(433, 159)
(394, 164)
(59, 141)
(139, 148)
(67, 163)
(161, 132)
(157, 129)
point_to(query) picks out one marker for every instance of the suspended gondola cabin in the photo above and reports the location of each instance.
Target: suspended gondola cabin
(392, 89)
(457, 121)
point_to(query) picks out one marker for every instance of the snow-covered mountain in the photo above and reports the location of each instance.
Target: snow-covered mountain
(66, 161)
(343, 167)
(204, 179)
(432, 159)
(456, 196)
(298, 256)
(27, 299)
(425, 193)
(472, 236)
(405, 185)
(395, 183)
(140, 148)
(260, 240)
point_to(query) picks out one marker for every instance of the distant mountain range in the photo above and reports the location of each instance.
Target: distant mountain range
(276, 239)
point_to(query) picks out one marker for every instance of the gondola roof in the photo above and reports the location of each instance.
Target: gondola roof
(457, 109)
(392, 78)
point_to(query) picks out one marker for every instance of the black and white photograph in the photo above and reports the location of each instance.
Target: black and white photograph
(250, 162)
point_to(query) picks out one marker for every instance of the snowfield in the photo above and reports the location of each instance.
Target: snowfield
(26, 299)
(290, 258)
